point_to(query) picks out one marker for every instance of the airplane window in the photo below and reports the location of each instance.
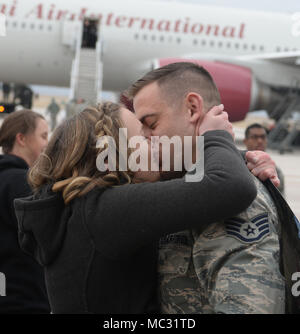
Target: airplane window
(253, 47)
(212, 43)
(286, 49)
(136, 36)
(23, 25)
(237, 46)
(195, 42)
(220, 44)
(204, 42)
(170, 39)
(245, 46)
(229, 45)
(162, 38)
(49, 28)
(41, 27)
(145, 37)
(278, 49)
(261, 48)
(15, 24)
(153, 38)
(178, 40)
(32, 26)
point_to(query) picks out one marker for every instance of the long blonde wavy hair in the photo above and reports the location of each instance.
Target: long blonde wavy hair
(69, 162)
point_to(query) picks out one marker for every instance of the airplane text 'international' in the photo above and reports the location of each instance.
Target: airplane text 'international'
(182, 25)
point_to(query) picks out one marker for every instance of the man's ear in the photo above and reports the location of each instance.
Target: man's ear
(20, 139)
(195, 106)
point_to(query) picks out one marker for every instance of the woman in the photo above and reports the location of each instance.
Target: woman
(23, 136)
(96, 233)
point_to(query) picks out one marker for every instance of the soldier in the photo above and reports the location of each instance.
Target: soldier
(215, 269)
(53, 109)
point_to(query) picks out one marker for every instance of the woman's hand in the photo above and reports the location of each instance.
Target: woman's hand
(215, 119)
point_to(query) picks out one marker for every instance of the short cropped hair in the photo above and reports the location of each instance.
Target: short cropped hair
(253, 126)
(176, 80)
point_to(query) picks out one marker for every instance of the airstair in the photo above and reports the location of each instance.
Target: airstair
(87, 69)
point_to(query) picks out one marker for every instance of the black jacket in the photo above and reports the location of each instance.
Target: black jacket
(289, 249)
(100, 251)
(25, 287)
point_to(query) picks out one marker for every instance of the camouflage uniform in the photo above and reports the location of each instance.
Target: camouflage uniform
(53, 110)
(227, 267)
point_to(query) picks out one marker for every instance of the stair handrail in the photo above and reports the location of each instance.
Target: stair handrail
(75, 63)
(99, 66)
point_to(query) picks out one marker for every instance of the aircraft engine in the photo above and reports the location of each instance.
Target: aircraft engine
(240, 91)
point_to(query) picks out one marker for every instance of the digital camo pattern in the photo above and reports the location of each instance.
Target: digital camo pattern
(230, 267)
(179, 285)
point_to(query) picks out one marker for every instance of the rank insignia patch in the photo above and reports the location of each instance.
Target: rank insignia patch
(248, 231)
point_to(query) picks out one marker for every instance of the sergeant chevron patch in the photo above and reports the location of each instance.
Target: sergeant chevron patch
(248, 231)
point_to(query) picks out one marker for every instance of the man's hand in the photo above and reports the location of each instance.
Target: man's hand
(261, 165)
(215, 119)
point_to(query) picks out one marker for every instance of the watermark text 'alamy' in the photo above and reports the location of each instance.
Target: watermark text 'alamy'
(160, 157)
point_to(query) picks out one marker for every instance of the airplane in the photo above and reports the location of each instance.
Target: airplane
(253, 56)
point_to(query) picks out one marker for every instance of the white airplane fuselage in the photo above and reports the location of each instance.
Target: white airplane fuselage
(133, 33)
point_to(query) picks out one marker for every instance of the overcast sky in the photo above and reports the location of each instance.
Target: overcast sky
(290, 6)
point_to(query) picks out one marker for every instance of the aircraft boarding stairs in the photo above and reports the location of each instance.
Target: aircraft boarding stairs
(286, 133)
(87, 71)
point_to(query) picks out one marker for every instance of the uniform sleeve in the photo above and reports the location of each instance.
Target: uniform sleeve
(237, 261)
(125, 218)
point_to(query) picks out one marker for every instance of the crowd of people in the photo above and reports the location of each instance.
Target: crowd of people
(76, 239)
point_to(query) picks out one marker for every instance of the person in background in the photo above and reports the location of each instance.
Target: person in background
(53, 109)
(93, 34)
(6, 88)
(23, 136)
(85, 33)
(256, 140)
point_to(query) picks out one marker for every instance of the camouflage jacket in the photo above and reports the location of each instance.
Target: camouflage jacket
(230, 266)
